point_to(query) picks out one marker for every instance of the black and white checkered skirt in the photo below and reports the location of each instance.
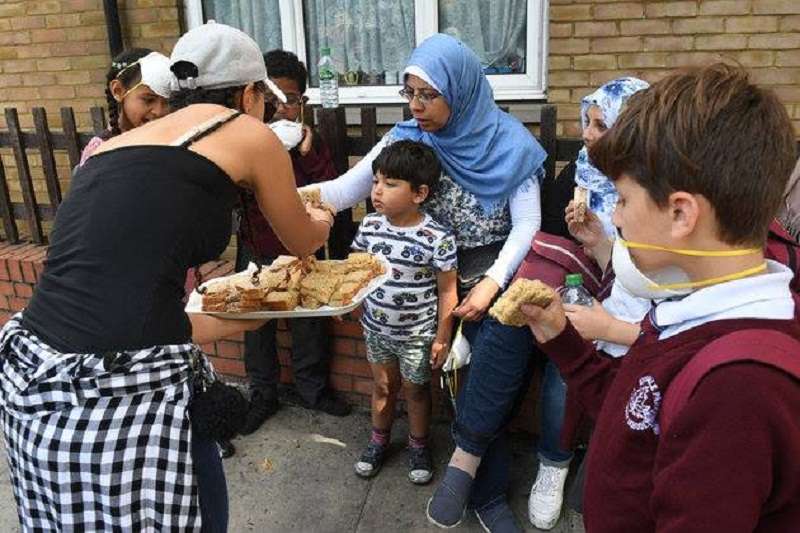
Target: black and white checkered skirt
(91, 448)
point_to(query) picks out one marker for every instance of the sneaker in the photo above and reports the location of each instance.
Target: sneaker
(499, 518)
(262, 406)
(331, 405)
(420, 465)
(547, 495)
(446, 507)
(226, 449)
(371, 460)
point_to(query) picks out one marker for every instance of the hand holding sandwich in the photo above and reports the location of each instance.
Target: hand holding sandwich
(546, 323)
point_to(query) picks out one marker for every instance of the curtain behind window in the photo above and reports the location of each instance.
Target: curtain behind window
(260, 19)
(495, 30)
(366, 37)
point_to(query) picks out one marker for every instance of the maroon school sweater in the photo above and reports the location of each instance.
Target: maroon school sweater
(731, 460)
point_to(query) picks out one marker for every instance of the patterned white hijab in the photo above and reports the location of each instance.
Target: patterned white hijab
(610, 98)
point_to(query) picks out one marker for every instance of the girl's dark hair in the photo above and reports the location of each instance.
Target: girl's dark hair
(228, 97)
(128, 75)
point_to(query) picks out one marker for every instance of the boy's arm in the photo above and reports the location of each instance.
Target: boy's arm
(588, 375)
(715, 469)
(448, 299)
(317, 163)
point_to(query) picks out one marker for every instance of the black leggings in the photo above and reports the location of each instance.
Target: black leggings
(212, 489)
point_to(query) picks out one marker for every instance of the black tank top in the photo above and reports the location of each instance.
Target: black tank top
(135, 219)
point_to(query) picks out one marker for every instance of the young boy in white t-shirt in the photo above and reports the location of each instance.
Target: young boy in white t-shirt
(407, 322)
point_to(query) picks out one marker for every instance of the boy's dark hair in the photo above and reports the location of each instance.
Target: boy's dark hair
(124, 68)
(229, 97)
(709, 131)
(283, 64)
(409, 161)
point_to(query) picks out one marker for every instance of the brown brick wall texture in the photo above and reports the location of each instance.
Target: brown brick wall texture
(55, 52)
(592, 42)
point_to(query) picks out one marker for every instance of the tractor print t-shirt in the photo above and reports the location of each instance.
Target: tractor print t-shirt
(405, 306)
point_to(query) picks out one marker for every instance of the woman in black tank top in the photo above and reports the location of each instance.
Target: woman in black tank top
(96, 371)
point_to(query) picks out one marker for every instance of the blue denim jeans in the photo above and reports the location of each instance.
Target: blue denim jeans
(552, 401)
(502, 364)
(499, 374)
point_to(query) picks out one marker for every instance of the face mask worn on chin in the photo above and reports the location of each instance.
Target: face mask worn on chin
(669, 282)
(290, 133)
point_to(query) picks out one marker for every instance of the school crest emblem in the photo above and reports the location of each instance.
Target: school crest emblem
(641, 412)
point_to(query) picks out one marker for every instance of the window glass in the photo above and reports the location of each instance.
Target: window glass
(495, 30)
(370, 40)
(260, 19)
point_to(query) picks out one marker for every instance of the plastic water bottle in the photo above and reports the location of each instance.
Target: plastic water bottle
(573, 291)
(328, 80)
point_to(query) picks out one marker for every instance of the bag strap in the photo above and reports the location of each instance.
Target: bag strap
(209, 126)
(766, 346)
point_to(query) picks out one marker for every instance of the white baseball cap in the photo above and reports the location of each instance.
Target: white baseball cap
(224, 57)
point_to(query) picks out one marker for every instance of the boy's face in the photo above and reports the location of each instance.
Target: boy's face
(396, 198)
(294, 99)
(639, 219)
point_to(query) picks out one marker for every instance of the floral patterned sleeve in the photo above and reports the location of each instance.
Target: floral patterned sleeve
(91, 147)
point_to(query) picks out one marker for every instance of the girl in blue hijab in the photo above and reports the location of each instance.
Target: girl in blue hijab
(489, 194)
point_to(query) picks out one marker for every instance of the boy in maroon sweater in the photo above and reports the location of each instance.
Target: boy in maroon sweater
(700, 160)
(312, 163)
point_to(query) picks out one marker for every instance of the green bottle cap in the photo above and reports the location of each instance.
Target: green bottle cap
(325, 51)
(573, 280)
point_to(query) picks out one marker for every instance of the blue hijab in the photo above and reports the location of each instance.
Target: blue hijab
(611, 99)
(483, 149)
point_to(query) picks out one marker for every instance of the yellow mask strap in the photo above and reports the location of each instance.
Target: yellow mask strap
(694, 253)
(712, 281)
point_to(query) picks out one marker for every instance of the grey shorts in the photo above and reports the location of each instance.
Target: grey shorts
(412, 354)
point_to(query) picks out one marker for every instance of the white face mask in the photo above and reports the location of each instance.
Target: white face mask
(648, 287)
(290, 133)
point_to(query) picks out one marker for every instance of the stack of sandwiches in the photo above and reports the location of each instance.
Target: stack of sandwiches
(290, 282)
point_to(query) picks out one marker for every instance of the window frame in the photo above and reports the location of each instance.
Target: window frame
(529, 86)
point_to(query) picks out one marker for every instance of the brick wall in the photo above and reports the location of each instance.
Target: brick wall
(592, 42)
(55, 53)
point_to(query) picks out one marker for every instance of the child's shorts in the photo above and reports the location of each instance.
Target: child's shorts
(413, 355)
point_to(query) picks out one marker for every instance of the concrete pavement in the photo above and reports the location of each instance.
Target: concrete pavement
(296, 474)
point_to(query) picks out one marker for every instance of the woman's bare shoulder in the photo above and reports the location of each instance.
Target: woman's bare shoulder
(164, 130)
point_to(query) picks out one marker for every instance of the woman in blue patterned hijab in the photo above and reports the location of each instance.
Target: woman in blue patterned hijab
(609, 100)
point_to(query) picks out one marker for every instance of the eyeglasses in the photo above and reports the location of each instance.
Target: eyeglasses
(292, 100)
(423, 97)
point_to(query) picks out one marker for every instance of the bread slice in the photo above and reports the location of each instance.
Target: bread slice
(319, 286)
(361, 277)
(311, 195)
(580, 199)
(284, 263)
(523, 291)
(364, 261)
(345, 293)
(281, 301)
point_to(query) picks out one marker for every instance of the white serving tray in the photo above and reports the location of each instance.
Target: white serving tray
(195, 303)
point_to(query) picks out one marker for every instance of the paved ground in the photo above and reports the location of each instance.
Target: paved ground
(286, 478)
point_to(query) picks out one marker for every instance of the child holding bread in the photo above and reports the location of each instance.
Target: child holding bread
(407, 322)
